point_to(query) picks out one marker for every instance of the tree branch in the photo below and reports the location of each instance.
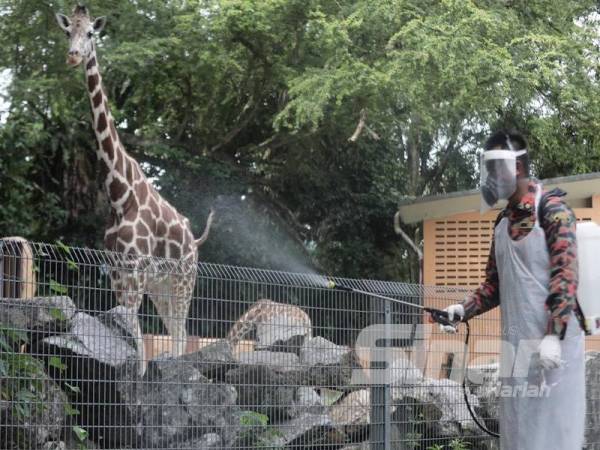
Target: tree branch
(359, 127)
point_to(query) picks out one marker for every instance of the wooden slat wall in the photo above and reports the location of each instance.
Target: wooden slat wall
(457, 248)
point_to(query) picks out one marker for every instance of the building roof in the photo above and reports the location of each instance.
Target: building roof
(579, 188)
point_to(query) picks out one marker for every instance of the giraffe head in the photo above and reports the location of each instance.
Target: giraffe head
(80, 29)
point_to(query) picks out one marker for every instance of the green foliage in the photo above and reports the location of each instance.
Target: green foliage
(22, 380)
(255, 431)
(459, 444)
(455, 444)
(24, 386)
(231, 98)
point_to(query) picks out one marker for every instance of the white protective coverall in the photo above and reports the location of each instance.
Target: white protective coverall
(540, 409)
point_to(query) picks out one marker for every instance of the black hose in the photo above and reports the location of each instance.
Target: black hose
(464, 386)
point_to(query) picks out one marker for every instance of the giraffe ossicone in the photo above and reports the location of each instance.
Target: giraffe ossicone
(142, 224)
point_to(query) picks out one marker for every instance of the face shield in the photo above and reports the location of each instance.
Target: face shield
(498, 176)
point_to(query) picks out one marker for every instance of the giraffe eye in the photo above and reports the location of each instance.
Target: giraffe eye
(68, 33)
(90, 34)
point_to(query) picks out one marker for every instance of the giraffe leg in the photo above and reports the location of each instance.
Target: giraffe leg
(128, 284)
(172, 304)
(179, 331)
(139, 339)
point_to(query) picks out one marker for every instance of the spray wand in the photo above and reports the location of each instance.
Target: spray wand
(437, 315)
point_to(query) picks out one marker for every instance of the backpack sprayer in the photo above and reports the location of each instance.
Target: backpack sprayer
(438, 316)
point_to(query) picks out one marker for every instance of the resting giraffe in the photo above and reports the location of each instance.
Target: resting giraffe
(142, 223)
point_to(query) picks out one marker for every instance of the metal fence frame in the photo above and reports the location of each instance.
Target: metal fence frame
(82, 275)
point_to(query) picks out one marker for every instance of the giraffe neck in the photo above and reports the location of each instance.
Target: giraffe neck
(119, 170)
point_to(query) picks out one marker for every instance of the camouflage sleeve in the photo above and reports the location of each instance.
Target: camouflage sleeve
(559, 223)
(487, 295)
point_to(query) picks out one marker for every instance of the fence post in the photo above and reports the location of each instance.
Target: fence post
(380, 435)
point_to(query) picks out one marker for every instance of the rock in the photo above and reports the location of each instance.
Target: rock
(40, 316)
(306, 400)
(482, 382)
(305, 431)
(399, 372)
(35, 420)
(328, 364)
(60, 445)
(404, 372)
(167, 369)
(291, 345)
(99, 358)
(213, 361)
(353, 414)
(320, 351)
(264, 390)
(178, 402)
(101, 338)
(592, 380)
(438, 405)
(210, 440)
(277, 361)
(361, 446)
(430, 412)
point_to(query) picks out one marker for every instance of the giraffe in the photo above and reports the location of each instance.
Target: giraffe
(271, 322)
(141, 222)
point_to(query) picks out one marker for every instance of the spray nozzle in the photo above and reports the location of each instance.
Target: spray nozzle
(333, 285)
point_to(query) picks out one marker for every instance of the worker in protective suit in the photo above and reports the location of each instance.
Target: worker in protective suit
(532, 275)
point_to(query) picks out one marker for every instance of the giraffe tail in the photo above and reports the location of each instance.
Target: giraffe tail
(202, 239)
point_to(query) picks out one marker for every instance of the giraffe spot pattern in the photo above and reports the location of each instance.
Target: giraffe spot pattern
(167, 215)
(97, 99)
(141, 229)
(121, 246)
(154, 207)
(104, 169)
(161, 228)
(137, 174)
(93, 82)
(160, 248)
(147, 217)
(142, 245)
(119, 164)
(117, 189)
(130, 207)
(126, 233)
(91, 63)
(101, 123)
(110, 240)
(113, 130)
(176, 233)
(142, 191)
(107, 146)
(129, 170)
(174, 251)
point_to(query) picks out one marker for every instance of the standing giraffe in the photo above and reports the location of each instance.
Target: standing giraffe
(141, 223)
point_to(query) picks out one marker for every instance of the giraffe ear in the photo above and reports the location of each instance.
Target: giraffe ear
(99, 24)
(63, 21)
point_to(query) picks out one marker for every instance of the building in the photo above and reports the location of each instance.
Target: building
(457, 237)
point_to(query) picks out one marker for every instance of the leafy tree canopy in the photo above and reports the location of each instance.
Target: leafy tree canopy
(303, 122)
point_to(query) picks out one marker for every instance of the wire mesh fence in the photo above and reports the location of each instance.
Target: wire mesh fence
(104, 350)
